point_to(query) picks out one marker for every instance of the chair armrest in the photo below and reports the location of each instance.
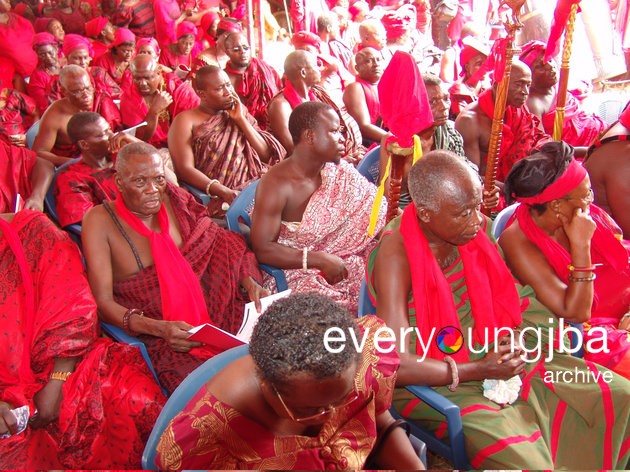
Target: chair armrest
(278, 275)
(199, 195)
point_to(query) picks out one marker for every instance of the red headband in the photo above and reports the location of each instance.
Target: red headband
(531, 51)
(624, 118)
(572, 177)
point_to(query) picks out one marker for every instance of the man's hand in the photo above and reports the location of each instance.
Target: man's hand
(224, 193)
(8, 422)
(501, 363)
(36, 204)
(237, 112)
(176, 333)
(625, 322)
(119, 139)
(254, 291)
(47, 401)
(161, 102)
(491, 198)
(333, 268)
(18, 140)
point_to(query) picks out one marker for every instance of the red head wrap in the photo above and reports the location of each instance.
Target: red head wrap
(96, 26)
(72, 42)
(148, 41)
(208, 19)
(239, 12)
(230, 25)
(624, 118)
(123, 35)
(41, 24)
(305, 38)
(572, 177)
(531, 50)
(43, 39)
(186, 28)
(399, 22)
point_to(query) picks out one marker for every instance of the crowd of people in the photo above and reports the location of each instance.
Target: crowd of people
(135, 108)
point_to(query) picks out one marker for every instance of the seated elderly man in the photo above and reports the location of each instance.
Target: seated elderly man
(52, 141)
(150, 98)
(361, 97)
(25, 174)
(293, 402)
(608, 166)
(436, 267)
(159, 266)
(218, 146)
(312, 211)
(69, 399)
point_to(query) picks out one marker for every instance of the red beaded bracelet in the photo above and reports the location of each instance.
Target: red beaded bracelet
(591, 268)
(127, 317)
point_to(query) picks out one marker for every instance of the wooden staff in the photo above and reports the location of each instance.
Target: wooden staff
(397, 156)
(561, 98)
(494, 146)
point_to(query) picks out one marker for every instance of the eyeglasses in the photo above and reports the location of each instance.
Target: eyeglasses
(240, 48)
(324, 411)
(84, 91)
(590, 197)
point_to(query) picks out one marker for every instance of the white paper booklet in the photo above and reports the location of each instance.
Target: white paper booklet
(250, 318)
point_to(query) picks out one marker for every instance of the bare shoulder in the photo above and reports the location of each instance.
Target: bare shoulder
(97, 218)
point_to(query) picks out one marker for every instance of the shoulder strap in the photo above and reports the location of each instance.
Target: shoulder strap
(116, 221)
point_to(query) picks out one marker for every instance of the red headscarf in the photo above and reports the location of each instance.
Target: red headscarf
(43, 39)
(95, 26)
(206, 22)
(624, 118)
(122, 35)
(305, 38)
(405, 107)
(357, 8)
(41, 24)
(230, 25)
(531, 50)
(148, 41)
(572, 177)
(399, 22)
(72, 42)
(186, 28)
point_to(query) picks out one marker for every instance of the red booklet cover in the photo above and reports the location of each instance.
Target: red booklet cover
(215, 337)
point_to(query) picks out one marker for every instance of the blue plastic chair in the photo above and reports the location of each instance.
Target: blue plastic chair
(498, 225)
(240, 211)
(368, 167)
(74, 230)
(31, 133)
(455, 449)
(199, 195)
(183, 394)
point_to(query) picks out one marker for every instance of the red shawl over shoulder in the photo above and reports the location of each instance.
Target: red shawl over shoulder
(520, 135)
(16, 165)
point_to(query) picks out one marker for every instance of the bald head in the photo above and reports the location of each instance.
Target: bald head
(143, 62)
(71, 71)
(296, 62)
(520, 82)
(437, 177)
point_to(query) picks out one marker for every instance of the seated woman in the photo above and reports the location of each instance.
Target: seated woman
(569, 250)
(292, 403)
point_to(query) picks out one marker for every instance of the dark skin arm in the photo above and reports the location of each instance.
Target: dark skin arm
(46, 137)
(396, 452)
(393, 292)
(466, 124)
(617, 184)
(271, 199)
(161, 101)
(354, 99)
(48, 399)
(40, 181)
(279, 112)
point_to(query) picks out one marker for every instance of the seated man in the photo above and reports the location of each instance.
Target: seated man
(217, 146)
(302, 74)
(150, 98)
(52, 142)
(436, 267)
(608, 165)
(312, 211)
(520, 134)
(88, 403)
(296, 404)
(160, 285)
(361, 97)
(579, 128)
(25, 174)
(255, 81)
(90, 181)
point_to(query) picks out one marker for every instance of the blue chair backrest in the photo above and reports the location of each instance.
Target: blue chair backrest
(241, 207)
(199, 195)
(498, 225)
(368, 167)
(183, 394)
(366, 307)
(31, 133)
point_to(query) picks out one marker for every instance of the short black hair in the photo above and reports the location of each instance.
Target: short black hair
(431, 79)
(201, 77)
(530, 176)
(79, 125)
(289, 339)
(305, 116)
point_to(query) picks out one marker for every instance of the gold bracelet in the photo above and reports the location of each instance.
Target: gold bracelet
(590, 278)
(63, 376)
(210, 184)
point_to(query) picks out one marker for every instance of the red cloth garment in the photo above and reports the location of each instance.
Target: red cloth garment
(121, 36)
(305, 38)
(611, 287)
(101, 80)
(207, 20)
(73, 42)
(79, 187)
(230, 440)
(232, 26)
(16, 40)
(371, 99)
(16, 112)
(139, 18)
(16, 165)
(99, 48)
(495, 303)
(150, 42)
(220, 260)
(558, 25)
(134, 109)
(186, 28)
(222, 152)
(110, 402)
(579, 128)
(624, 118)
(166, 12)
(295, 98)
(520, 135)
(182, 299)
(531, 50)
(43, 39)
(73, 23)
(258, 84)
(106, 61)
(405, 107)
(173, 60)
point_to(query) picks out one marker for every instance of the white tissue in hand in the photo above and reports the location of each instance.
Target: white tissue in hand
(503, 392)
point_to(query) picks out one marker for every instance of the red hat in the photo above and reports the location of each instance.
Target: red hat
(399, 22)
(531, 50)
(472, 46)
(185, 28)
(95, 26)
(72, 42)
(208, 19)
(151, 42)
(357, 8)
(122, 35)
(43, 39)
(305, 38)
(41, 24)
(231, 25)
(240, 12)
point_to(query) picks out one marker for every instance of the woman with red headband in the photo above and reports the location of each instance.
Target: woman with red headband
(570, 251)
